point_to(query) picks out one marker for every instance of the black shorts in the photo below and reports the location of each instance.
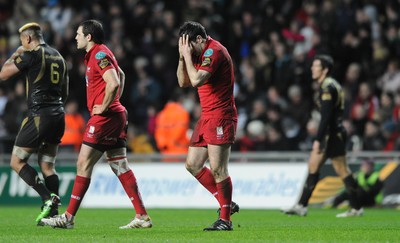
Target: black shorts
(121, 143)
(36, 130)
(335, 144)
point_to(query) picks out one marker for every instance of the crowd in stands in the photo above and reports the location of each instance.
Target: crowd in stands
(271, 42)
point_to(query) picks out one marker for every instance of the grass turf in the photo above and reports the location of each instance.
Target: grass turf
(186, 225)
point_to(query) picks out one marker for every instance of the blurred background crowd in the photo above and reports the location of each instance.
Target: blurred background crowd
(272, 43)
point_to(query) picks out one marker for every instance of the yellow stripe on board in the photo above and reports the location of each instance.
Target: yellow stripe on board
(387, 170)
(328, 187)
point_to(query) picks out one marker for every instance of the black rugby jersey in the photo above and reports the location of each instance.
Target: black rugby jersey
(46, 79)
(330, 102)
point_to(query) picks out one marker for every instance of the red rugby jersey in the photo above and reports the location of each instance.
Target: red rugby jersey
(216, 94)
(98, 60)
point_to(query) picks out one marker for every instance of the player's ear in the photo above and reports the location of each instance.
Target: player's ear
(29, 39)
(89, 37)
(325, 71)
(199, 39)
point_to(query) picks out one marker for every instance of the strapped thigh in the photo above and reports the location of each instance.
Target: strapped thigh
(47, 153)
(21, 153)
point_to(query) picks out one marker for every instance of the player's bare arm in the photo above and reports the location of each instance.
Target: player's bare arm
(9, 68)
(181, 73)
(122, 81)
(196, 77)
(112, 86)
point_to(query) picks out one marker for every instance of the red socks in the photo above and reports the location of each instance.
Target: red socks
(81, 185)
(207, 180)
(128, 181)
(222, 191)
(225, 198)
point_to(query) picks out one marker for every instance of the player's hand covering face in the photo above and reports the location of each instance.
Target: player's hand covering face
(185, 47)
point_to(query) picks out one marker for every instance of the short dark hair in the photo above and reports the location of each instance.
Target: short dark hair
(193, 29)
(326, 62)
(95, 29)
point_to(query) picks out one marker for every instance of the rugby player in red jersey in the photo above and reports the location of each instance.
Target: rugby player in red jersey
(205, 64)
(106, 129)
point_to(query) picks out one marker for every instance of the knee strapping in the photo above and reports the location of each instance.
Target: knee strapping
(46, 158)
(21, 153)
(118, 165)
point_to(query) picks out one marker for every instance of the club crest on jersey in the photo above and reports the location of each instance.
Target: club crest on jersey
(206, 62)
(220, 132)
(208, 52)
(103, 63)
(100, 55)
(91, 129)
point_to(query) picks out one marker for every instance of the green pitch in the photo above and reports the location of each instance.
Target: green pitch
(175, 225)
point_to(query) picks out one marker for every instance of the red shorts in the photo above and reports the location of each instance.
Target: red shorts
(213, 131)
(107, 129)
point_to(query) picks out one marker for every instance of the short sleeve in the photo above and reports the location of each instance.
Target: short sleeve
(210, 60)
(103, 62)
(326, 94)
(24, 60)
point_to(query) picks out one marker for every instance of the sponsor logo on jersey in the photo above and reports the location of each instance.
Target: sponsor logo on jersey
(104, 63)
(100, 55)
(18, 60)
(208, 52)
(206, 62)
(326, 96)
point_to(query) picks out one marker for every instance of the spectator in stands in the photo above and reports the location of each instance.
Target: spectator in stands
(352, 81)
(274, 98)
(172, 125)
(363, 107)
(74, 127)
(139, 141)
(16, 109)
(276, 140)
(282, 73)
(258, 111)
(299, 108)
(254, 138)
(3, 99)
(146, 91)
(396, 109)
(373, 140)
(389, 82)
(385, 112)
(312, 130)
